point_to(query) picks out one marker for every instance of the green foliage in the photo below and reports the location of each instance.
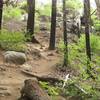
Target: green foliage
(12, 41)
(95, 43)
(53, 91)
(77, 51)
(97, 25)
(82, 86)
(73, 4)
(44, 10)
(82, 89)
(12, 12)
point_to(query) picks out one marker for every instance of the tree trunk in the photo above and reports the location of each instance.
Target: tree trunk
(1, 10)
(53, 25)
(98, 8)
(32, 91)
(31, 20)
(87, 36)
(87, 27)
(65, 64)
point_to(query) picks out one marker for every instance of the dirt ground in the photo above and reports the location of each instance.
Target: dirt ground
(12, 79)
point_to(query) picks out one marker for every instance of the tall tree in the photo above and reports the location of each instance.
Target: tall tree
(53, 25)
(98, 8)
(31, 20)
(1, 10)
(87, 36)
(87, 27)
(65, 64)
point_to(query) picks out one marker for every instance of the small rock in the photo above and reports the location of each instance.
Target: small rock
(50, 54)
(27, 67)
(14, 57)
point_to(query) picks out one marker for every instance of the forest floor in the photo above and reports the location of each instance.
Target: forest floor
(41, 62)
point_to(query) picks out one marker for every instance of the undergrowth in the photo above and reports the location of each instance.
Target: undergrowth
(82, 86)
(12, 41)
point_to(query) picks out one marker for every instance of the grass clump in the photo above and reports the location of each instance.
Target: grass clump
(12, 41)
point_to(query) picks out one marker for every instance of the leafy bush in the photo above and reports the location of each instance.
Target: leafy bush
(12, 41)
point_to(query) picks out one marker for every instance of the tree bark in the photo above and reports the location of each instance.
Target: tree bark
(31, 20)
(53, 25)
(87, 36)
(32, 91)
(65, 63)
(87, 27)
(1, 10)
(98, 8)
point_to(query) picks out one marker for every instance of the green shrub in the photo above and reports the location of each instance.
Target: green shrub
(12, 41)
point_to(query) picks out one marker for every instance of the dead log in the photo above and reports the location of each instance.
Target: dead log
(32, 91)
(43, 78)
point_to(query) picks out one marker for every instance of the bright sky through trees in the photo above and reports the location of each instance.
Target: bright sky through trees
(47, 1)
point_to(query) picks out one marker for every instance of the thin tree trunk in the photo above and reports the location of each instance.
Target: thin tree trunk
(1, 10)
(53, 25)
(65, 64)
(87, 36)
(31, 20)
(87, 27)
(79, 32)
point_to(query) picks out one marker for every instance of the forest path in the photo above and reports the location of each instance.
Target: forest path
(42, 62)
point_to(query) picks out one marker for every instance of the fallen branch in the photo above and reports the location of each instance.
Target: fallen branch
(50, 79)
(42, 78)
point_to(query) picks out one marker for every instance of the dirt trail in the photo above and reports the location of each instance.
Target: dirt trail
(11, 78)
(41, 60)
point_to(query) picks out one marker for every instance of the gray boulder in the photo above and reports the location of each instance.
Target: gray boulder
(14, 57)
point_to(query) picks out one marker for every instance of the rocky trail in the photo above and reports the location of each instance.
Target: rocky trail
(40, 62)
